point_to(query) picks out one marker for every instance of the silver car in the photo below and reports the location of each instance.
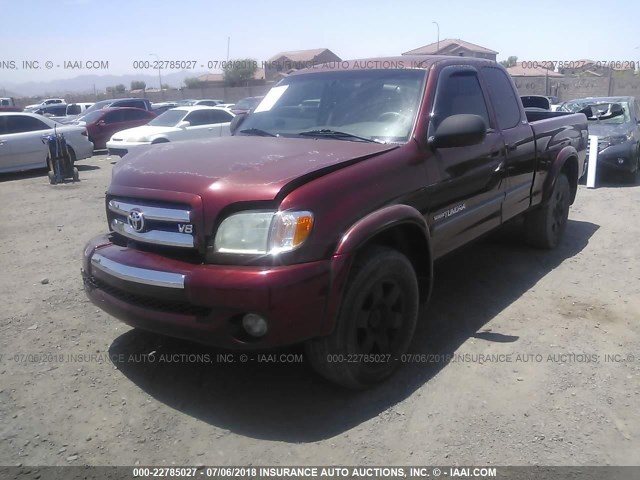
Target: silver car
(21, 145)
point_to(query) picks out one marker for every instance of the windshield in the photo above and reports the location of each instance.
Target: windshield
(170, 118)
(99, 105)
(599, 109)
(374, 104)
(90, 117)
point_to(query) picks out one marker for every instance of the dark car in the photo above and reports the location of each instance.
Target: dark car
(246, 105)
(614, 120)
(320, 219)
(102, 124)
(52, 110)
(141, 103)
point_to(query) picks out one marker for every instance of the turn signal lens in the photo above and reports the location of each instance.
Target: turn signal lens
(289, 230)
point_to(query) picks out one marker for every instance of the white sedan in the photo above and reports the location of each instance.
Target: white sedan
(21, 145)
(182, 123)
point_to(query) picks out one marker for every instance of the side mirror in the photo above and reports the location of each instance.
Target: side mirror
(459, 131)
(183, 124)
(237, 121)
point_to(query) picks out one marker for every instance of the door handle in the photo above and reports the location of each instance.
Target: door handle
(512, 147)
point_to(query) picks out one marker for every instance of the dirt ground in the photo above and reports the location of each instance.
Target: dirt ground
(524, 357)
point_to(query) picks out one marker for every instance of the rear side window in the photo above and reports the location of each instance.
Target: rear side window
(199, 117)
(73, 109)
(503, 98)
(21, 124)
(218, 116)
(460, 93)
(136, 114)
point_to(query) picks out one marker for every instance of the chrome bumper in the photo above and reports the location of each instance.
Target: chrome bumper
(137, 275)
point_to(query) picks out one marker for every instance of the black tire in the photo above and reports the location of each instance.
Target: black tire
(545, 226)
(375, 325)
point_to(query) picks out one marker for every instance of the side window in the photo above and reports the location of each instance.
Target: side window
(135, 114)
(460, 93)
(218, 116)
(503, 98)
(22, 124)
(113, 117)
(198, 117)
(637, 111)
(3, 125)
(73, 109)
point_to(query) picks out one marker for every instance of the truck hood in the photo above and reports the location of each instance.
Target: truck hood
(239, 168)
(607, 130)
(145, 131)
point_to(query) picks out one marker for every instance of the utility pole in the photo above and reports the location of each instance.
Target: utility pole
(228, 46)
(438, 52)
(159, 75)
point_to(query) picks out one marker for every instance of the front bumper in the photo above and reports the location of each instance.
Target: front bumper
(619, 157)
(120, 149)
(205, 303)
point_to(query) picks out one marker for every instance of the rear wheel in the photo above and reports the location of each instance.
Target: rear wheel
(375, 325)
(545, 226)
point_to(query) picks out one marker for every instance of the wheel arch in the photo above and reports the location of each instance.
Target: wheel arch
(566, 163)
(398, 226)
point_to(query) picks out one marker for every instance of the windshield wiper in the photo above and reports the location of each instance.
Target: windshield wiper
(258, 132)
(326, 132)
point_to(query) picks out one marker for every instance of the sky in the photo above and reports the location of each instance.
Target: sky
(122, 32)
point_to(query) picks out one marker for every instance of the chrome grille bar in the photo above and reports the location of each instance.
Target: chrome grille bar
(157, 237)
(160, 214)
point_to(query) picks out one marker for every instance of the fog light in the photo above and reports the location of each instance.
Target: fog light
(620, 161)
(254, 325)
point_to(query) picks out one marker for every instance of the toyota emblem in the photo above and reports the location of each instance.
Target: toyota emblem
(136, 220)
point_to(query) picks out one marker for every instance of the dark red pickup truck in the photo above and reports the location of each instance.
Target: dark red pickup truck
(319, 221)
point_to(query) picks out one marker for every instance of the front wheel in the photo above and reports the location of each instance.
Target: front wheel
(545, 226)
(375, 325)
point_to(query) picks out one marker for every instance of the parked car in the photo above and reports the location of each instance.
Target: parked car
(181, 123)
(141, 103)
(208, 102)
(322, 226)
(52, 110)
(8, 104)
(78, 108)
(46, 101)
(162, 107)
(615, 121)
(21, 146)
(246, 105)
(102, 124)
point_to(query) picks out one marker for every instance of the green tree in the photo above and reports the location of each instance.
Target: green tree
(138, 85)
(239, 72)
(120, 88)
(192, 82)
(509, 62)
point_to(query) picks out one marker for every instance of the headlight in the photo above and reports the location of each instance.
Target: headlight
(262, 232)
(614, 140)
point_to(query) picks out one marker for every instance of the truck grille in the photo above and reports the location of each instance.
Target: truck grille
(145, 222)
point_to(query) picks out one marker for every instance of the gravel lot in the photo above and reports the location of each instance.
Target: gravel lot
(559, 383)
